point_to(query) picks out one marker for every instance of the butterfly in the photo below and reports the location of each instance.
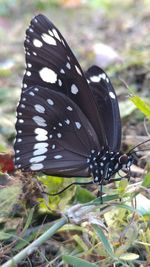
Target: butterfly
(68, 122)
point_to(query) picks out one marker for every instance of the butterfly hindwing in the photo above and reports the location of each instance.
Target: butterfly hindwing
(53, 135)
(107, 105)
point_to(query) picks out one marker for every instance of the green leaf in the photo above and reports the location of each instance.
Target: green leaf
(141, 105)
(83, 195)
(125, 206)
(126, 108)
(122, 185)
(4, 235)
(105, 241)
(29, 219)
(80, 242)
(53, 184)
(143, 205)
(105, 198)
(129, 256)
(77, 262)
(146, 181)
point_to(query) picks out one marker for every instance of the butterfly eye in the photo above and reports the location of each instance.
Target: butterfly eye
(123, 159)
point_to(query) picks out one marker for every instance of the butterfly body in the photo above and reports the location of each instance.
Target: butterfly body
(106, 163)
(68, 122)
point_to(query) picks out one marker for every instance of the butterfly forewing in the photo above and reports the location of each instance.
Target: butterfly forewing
(107, 105)
(53, 134)
(50, 63)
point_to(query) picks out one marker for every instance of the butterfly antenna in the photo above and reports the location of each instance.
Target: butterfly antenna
(61, 191)
(146, 149)
(132, 149)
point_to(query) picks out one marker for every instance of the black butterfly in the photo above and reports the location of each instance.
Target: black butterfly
(68, 122)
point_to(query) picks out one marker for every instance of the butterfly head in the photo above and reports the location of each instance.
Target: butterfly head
(104, 164)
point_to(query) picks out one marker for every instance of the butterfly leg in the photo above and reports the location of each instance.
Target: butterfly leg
(100, 191)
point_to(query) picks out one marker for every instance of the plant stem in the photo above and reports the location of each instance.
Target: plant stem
(35, 244)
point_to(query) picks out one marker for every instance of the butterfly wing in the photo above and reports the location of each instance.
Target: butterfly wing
(53, 134)
(50, 63)
(107, 104)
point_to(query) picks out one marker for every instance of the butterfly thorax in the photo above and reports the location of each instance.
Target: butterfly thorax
(103, 165)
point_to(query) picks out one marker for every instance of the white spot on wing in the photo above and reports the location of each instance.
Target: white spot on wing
(28, 73)
(40, 148)
(67, 121)
(59, 82)
(59, 135)
(24, 85)
(56, 34)
(37, 159)
(36, 167)
(39, 121)
(30, 29)
(37, 43)
(41, 134)
(74, 89)
(112, 95)
(103, 76)
(95, 79)
(21, 121)
(31, 93)
(78, 124)
(48, 39)
(58, 157)
(78, 70)
(50, 32)
(68, 65)
(39, 108)
(50, 102)
(48, 75)
(29, 65)
(62, 71)
(69, 108)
